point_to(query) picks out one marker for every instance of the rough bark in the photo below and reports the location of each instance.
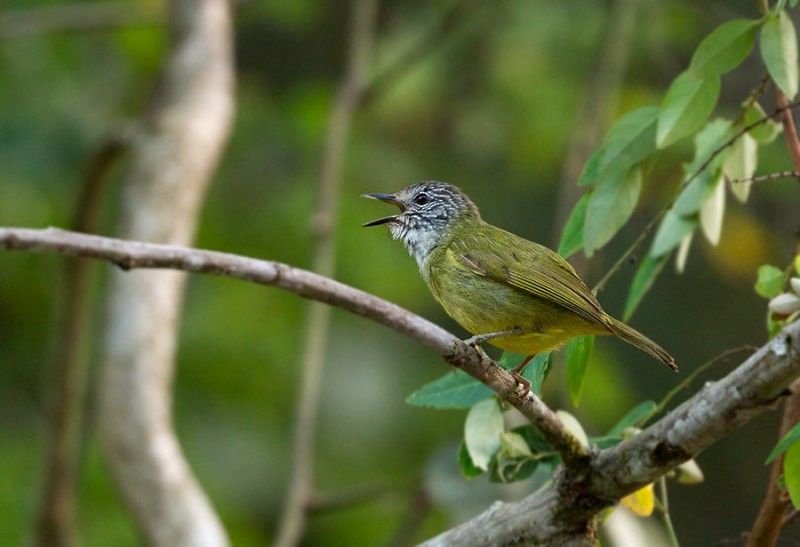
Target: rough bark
(171, 163)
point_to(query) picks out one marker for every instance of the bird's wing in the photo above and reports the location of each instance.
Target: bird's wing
(531, 268)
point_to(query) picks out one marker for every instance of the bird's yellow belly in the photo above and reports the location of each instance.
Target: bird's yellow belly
(484, 306)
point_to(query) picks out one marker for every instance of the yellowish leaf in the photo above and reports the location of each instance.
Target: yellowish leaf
(642, 502)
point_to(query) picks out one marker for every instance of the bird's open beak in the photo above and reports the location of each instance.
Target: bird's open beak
(388, 198)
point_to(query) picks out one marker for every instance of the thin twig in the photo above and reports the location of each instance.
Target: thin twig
(325, 223)
(134, 254)
(766, 178)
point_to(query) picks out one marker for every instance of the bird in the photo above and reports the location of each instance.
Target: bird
(515, 294)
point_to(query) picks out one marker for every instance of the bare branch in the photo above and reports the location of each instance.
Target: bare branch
(130, 255)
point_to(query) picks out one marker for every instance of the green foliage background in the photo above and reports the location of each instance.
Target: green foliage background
(490, 106)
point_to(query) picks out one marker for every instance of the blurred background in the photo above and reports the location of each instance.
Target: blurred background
(500, 100)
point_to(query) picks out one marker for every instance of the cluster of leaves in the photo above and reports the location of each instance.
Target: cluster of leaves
(783, 290)
(725, 150)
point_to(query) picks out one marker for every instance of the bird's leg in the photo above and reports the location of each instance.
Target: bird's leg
(516, 372)
(481, 338)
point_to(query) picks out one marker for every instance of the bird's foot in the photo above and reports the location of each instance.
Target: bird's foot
(522, 384)
(481, 338)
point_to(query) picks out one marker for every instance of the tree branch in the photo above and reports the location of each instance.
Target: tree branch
(130, 255)
(565, 509)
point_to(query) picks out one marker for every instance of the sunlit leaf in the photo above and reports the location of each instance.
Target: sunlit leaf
(645, 277)
(683, 253)
(741, 164)
(611, 204)
(766, 131)
(642, 502)
(572, 236)
(779, 51)
(725, 48)
(689, 102)
(632, 418)
(791, 473)
(671, 231)
(456, 389)
(482, 430)
(631, 139)
(578, 352)
(712, 213)
(769, 282)
(572, 425)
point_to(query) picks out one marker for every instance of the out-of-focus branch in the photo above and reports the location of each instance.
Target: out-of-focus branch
(324, 226)
(56, 522)
(79, 17)
(182, 135)
(565, 509)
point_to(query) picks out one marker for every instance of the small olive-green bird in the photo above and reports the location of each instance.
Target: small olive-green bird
(513, 293)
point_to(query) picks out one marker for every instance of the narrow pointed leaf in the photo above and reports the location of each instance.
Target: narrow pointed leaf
(683, 253)
(591, 168)
(645, 277)
(791, 473)
(634, 417)
(631, 139)
(779, 51)
(578, 352)
(689, 102)
(725, 48)
(572, 236)
(610, 206)
(741, 164)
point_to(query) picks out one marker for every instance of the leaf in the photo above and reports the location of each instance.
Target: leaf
(482, 430)
(537, 370)
(713, 137)
(683, 253)
(671, 231)
(645, 277)
(455, 389)
(769, 282)
(468, 467)
(766, 131)
(725, 48)
(695, 194)
(578, 352)
(572, 236)
(741, 164)
(779, 51)
(712, 213)
(514, 461)
(610, 206)
(687, 105)
(631, 139)
(642, 502)
(791, 473)
(633, 418)
(791, 437)
(535, 441)
(590, 169)
(572, 425)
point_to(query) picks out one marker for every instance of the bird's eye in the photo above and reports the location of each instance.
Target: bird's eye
(421, 198)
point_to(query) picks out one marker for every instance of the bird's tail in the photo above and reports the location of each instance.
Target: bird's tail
(639, 340)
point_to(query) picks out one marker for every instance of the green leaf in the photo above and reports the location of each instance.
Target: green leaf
(468, 467)
(779, 51)
(591, 168)
(671, 231)
(537, 370)
(536, 442)
(791, 473)
(455, 389)
(769, 283)
(610, 206)
(645, 277)
(741, 164)
(687, 105)
(578, 352)
(631, 139)
(710, 140)
(791, 437)
(725, 48)
(572, 236)
(634, 417)
(766, 131)
(482, 430)
(514, 461)
(713, 211)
